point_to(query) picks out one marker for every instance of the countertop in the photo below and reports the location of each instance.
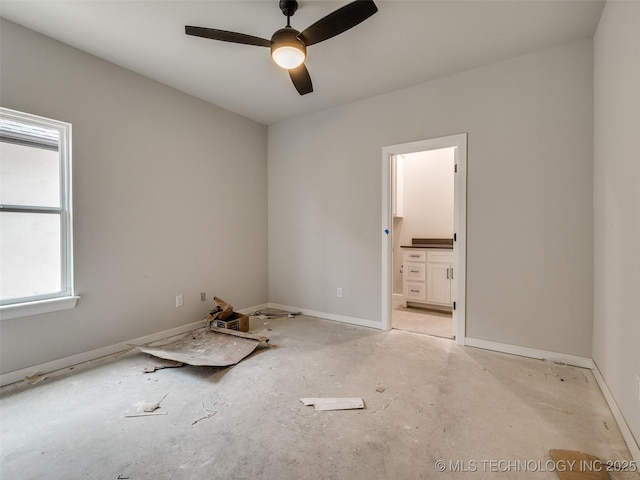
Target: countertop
(444, 243)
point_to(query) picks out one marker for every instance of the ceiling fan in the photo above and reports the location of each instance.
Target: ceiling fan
(288, 45)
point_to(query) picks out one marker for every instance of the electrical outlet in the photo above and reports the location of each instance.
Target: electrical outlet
(179, 301)
(339, 292)
(203, 296)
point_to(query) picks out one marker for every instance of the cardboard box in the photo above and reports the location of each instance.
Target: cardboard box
(236, 321)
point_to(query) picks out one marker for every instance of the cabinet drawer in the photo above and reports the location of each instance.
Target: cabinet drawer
(414, 256)
(437, 256)
(415, 271)
(415, 291)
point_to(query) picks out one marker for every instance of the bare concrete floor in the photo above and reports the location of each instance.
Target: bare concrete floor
(440, 402)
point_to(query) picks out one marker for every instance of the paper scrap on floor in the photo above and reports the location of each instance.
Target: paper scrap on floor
(351, 403)
(210, 347)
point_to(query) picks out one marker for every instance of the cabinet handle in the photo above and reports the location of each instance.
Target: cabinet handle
(451, 273)
(415, 291)
(414, 256)
(447, 274)
(415, 271)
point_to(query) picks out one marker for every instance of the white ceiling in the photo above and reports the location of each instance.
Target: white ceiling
(404, 44)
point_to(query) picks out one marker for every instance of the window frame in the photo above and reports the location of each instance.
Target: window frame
(65, 297)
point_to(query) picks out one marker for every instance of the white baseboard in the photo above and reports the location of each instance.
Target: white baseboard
(66, 362)
(574, 360)
(329, 316)
(633, 446)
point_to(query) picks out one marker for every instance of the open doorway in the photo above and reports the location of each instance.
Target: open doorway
(431, 266)
(422, 193)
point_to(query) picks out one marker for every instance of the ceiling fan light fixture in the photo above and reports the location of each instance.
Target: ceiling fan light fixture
(287, 50)
(288, 57)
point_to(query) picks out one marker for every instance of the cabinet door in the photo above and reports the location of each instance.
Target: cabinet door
(439, 283)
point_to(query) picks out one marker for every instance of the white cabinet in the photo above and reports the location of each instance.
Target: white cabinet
(427, 276)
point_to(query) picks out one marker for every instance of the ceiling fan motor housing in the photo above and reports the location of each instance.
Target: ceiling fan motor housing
(287, 37)
(288, 7)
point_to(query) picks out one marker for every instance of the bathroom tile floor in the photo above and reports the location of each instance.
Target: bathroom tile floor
(421, 320)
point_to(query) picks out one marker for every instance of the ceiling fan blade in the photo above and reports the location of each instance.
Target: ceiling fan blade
(338, 21)
(226, 36)
(301, 79)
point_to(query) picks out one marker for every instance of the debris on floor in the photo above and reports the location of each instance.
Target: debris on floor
(143, 414)
(209, 413)
(222, 310)
(351, 403)
(269, 313)
(223, 316)
(161, 365)
(147, 409)
(380, 389)
(207, 347)
(35, 378)
(573, 465)
(152, 407)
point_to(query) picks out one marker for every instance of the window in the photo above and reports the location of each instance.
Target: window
(36, 267)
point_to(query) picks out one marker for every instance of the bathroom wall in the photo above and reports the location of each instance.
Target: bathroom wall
(428, 203)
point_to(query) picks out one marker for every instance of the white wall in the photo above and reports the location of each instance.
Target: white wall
(529, 256)
(169, 198)
(428, 203)
(616, 337)
(158, 172)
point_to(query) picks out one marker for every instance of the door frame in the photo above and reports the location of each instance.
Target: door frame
(459, 142)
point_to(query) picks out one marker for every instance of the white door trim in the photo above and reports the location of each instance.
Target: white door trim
(458, 141)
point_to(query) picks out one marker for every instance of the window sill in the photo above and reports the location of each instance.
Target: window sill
(36, 308)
